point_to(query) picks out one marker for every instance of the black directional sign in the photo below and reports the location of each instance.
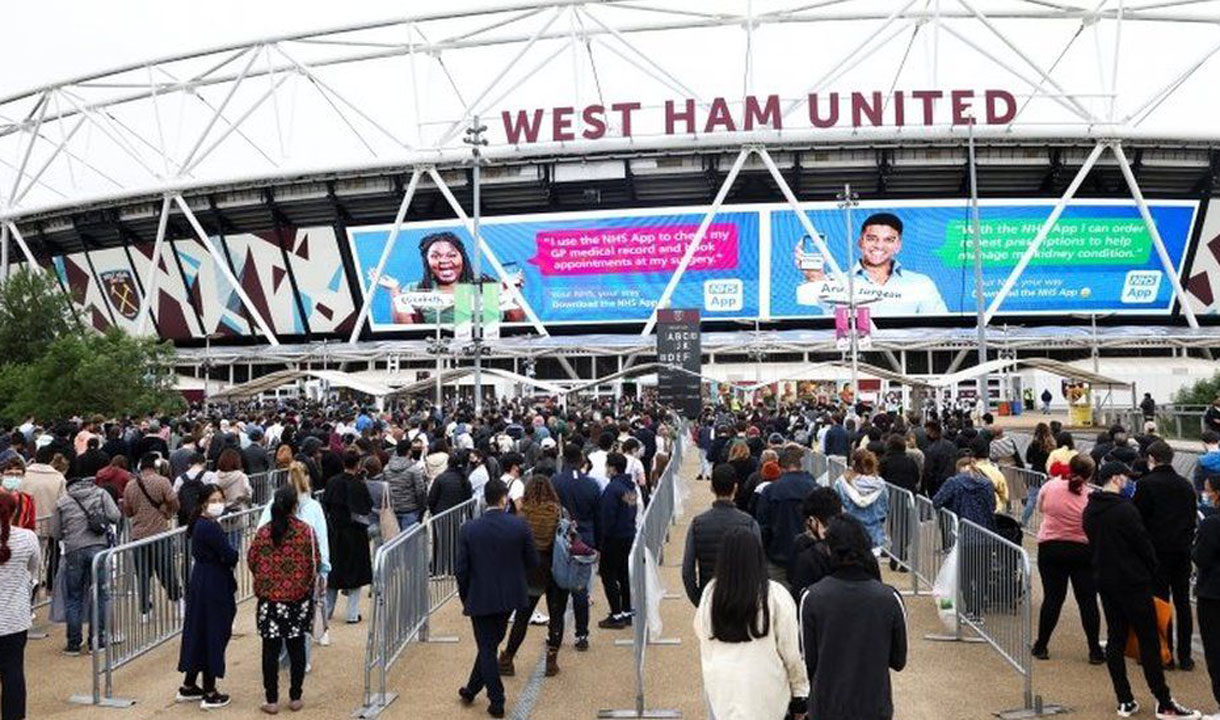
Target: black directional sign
(678, 344)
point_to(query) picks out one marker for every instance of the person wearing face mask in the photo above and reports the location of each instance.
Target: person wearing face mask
(1124, 564)
(810, 554)
(1206, 556)
(25, 515)
(210, 604)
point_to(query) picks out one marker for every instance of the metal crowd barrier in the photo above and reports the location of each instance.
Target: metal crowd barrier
(414, 575)
(650, 539)
(263, 485)
(902, 536)
(138, 588)
(835, 467)
(995, 599)
(1023, 488)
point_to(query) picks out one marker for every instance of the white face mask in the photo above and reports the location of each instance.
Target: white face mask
(216, 509)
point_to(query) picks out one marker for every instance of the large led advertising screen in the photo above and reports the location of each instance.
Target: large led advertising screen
(908, 259)
(572, 268)
(917, 258)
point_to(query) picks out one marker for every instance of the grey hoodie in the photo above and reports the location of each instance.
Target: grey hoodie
(69, 524)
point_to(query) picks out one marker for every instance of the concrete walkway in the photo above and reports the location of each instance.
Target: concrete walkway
(943, 681)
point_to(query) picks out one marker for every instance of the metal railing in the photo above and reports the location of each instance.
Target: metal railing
(648, 547)
(1023, 488)
(138, 589)
(414, 575)
(263, 485)
(902, 536)
(835, 467)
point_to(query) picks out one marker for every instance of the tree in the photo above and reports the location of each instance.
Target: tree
(34, 312)
(111, 374)
(1202, 392)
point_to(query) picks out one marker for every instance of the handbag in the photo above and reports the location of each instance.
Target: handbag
(1164, 612)
(318, 627)
(387, 519)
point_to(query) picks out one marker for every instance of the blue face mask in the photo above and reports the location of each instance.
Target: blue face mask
(1129, 489)
(12, 482)
(1206, 500)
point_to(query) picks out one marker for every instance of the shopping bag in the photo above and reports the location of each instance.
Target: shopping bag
(58, 612)
(318, 628)
(387, 519)
(1164, 613)
(944, 590)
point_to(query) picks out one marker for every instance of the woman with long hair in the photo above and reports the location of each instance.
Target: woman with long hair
(210, 603)
(1040, 447)
(285, 562)
(864, 496)
(1064, 555)
(749, 643)
(233, 481)
(540, 508)
(20, 560)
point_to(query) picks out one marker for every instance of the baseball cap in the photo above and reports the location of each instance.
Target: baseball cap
(547, 443)
(775, 439)
(1112, 468)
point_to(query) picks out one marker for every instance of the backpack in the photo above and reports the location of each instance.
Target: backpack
(189, 493)
(569, 569)
(97, 523)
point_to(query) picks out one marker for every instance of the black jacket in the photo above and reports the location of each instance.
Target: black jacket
(837, 441)
(1167, 505)
(852, 609)
(581, 497)
(939, 464)
(1206, 555)
(703, 541)
(1123, 556)
(495, 554)
(255, 459)
(450, 489)
(900, 469)
(779, 513)
(811, 562)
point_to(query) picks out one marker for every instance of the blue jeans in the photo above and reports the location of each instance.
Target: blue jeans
(78, 576)
(407, 520)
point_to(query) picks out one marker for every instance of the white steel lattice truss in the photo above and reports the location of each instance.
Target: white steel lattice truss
(400, 93)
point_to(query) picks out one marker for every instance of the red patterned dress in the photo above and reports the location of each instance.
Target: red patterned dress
(284, 577)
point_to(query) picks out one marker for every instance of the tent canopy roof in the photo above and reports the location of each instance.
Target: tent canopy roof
(281, 378)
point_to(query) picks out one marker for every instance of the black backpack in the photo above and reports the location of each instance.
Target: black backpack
(189, 493)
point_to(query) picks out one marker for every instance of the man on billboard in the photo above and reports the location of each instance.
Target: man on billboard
(878, 274)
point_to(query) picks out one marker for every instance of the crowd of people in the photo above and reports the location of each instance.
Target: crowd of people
(791, 612)
(73, 489)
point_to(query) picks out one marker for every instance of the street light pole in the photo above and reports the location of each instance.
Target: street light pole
(474, 138)
(981, 304)
(847, 200)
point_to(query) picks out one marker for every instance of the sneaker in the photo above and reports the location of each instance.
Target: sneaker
(1173, 711)
(214, 701)
(1040, 652)
(188, 694)
(582, 643)
(1127, 709)
(625, 618)
(296, 705)
(357, 621)
(466, 696)
(270, 709)
(71, 651)
(612, 622)
(324, 641)
(1186, 665)
(539, 618)
(1097, 657)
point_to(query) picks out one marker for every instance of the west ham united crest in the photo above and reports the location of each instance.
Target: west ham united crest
(121, 292)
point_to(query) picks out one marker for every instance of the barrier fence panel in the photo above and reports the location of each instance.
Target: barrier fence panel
(138, 589)
(1023, 488)
(650, 538)
(819, 465)
(263, 485)
(442, 585)
(995, 599)
(401, 605)
(901, 536)
(934, 543)
(835, 467)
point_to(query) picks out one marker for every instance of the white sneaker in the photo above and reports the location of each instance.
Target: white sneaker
(538, 618)
(324, 641)
(1213, 716)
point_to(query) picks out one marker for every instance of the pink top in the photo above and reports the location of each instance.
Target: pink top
(1062, 512)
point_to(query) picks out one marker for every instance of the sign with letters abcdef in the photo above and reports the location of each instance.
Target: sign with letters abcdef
(678, 344)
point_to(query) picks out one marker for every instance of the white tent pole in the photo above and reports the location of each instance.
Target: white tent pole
(399, 217)
(1157, 242)
(1043, 231)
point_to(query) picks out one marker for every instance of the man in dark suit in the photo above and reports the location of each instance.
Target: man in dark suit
(495, 552)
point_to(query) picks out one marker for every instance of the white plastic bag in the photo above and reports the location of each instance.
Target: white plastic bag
(944, 590)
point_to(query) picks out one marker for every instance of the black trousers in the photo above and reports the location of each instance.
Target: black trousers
(1131, 610)
(12, 676)
(616, 574)
(271, 667)
(556, 606)
(488, 634)
(1058, 563)
(1173, 581)
(1209, 632)
(191, 679)
(152, 560)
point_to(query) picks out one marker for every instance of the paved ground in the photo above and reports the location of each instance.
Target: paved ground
(943, 681)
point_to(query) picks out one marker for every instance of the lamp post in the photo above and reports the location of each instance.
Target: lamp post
(848, 200)
(207, 367)
(474, 138)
